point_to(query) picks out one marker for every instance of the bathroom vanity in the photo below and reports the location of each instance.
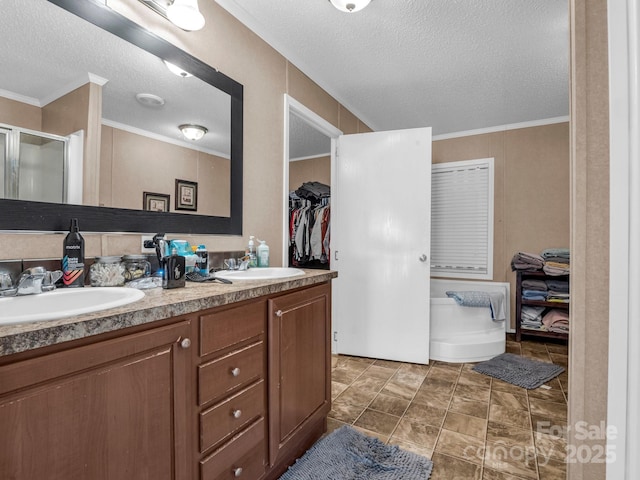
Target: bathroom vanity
(205, 382)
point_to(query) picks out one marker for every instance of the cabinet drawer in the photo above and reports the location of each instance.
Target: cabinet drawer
(228, 327)
(242, 457)
(240, 367)
(230, 415)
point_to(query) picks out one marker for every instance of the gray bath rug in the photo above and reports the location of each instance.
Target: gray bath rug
(346, 454)
(521, 371)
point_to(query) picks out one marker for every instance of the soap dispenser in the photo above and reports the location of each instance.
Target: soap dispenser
(263, 254)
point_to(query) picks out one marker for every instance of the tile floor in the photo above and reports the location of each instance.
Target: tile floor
(472, 426)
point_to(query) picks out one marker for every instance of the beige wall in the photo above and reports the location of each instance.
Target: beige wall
(531, 189)
(20, 114)
(158, 164)
(80, 109)
(588, 346)
(310, 170)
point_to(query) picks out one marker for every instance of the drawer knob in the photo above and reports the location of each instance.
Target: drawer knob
(237, 413)
(279, 313)
(185, 343)
(235, 372)
(237, 472)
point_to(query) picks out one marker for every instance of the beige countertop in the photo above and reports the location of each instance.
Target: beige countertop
(157, 304)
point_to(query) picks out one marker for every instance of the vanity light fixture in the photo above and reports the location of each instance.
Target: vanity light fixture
(193, 132)
(182, 13)
(185, 14)
(176, 70)
(350, 6)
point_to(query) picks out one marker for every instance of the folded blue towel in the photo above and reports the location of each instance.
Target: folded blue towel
(495, 301)
(534, 295)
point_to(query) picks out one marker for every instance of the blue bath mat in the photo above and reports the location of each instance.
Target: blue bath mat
(346, 454)
(521, 371)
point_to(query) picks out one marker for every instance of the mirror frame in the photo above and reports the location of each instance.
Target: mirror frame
(21, 215)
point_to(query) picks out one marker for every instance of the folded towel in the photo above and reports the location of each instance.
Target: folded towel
(533, 284)
(556, 320)
(526, 261)
(557, 285)
(531, 313)
(547, 253)
(495, 301)
(534, 295)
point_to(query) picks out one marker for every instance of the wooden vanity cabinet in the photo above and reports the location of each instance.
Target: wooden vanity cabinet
(264, 385)
(113, 409)
(299, 372)
(232, 402)
(234, 392)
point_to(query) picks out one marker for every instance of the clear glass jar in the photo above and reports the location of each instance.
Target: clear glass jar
(136, 266)
(107, 272)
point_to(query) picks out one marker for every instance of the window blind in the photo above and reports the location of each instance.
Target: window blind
(462, 219)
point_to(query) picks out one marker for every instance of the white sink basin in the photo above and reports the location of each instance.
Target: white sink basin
(267, 273)
(64, 303)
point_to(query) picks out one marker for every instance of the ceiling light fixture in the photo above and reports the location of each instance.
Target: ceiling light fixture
(150, 100)
(350, 6)
(177, 70)
(193, 132)
(185, 14)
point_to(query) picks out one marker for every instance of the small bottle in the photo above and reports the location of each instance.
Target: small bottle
(251, 252)
(202, 262)
(263, 254)
(73, 257)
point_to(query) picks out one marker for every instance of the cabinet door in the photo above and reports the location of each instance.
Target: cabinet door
(299, 365)
(112, 410)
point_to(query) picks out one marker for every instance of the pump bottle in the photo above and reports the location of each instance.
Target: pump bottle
(73, 257)
(263, 254)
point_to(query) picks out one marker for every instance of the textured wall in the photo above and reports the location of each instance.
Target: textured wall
(310, 170)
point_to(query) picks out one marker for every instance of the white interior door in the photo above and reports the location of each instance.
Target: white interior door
(381, 242)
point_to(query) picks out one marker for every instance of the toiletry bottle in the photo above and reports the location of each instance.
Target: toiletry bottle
(73, 257)
(251, 252)
(202, 263)
(263, 254)
(174, 271)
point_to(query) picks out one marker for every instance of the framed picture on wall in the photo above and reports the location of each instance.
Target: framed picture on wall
(186, 195)
(155, 202)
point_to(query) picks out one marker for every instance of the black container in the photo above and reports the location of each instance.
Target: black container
(73, 257)
(174, 271)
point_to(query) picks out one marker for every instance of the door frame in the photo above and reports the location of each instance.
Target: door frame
(291, 105)
(624, 238)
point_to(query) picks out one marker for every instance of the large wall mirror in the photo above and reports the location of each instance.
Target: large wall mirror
(90, 109)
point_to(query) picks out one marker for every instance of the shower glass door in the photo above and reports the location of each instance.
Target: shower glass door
(41, 170)
(33, 165)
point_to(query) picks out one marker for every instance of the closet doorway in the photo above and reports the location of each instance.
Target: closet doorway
(308, 169)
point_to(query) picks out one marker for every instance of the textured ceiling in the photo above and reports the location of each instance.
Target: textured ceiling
(451, 64)
(47, 52)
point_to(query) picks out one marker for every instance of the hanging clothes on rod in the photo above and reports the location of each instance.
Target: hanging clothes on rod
(310, 225)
